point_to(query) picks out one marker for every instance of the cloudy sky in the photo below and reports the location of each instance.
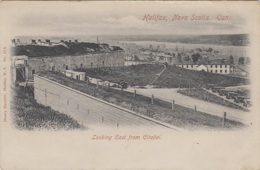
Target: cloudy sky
(123, 18)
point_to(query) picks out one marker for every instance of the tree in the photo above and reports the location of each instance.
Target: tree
(195, 57)
(206, 59)
(209, 50)
(186, 58)
(179, 57)
(241, 60)
(199, 49)
(231, 59)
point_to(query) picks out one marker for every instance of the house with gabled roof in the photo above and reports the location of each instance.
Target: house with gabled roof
(218, 66)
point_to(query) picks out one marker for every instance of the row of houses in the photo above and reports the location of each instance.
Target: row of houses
(46, 42)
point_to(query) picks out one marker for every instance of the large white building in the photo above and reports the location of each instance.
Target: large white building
(217, 66)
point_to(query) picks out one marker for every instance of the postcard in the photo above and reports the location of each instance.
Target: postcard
(129, 85)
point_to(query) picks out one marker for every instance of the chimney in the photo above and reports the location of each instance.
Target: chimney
(39, 40)
(47, 41)
(62, 41)
(33, 42)
(76, 41)
(13, 40)
(70, 41)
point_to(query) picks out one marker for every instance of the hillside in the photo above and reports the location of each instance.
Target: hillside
(173, 76)
(67, 48)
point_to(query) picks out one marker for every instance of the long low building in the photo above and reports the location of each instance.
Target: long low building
(75, 74)
(24, 67)
(214, 66)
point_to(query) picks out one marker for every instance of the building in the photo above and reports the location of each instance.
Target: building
(130, 63)
(134, 60)
(164, 58)
(19, 68)
(76, 75)
(16, 42)
(218, 66)
(24, 67)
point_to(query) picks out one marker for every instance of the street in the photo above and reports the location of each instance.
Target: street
(211, 108)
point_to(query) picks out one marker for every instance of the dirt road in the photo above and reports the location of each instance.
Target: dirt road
(203, 106)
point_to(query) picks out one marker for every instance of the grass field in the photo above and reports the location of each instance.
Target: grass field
(29, 115)
(160, 110)
(172, 77)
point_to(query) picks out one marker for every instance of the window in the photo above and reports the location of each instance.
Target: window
(225, 66)
(67, 67)
(191, 66)
(220, 66)
(91, 64)
(216, 71)
(77, 77)
(216, 66)
(81, 65)
(210, 66)
(25, 62)
(225, 71)
(211, 71)
(103, 62)
(33, 72)
(220, 71)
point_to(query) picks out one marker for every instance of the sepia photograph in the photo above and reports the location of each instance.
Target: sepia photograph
(163, 75)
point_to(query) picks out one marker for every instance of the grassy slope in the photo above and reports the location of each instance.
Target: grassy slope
(204, 95)
(172, 77)
(161, 110)
(132, 75)
(30, 115)
(179, 77)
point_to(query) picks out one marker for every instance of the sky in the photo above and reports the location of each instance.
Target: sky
(123, 18)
